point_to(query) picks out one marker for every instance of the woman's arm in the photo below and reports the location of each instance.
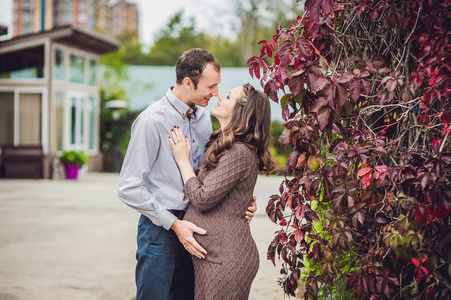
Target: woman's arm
(205, 195)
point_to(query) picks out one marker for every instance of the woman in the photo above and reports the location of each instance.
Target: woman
(221, 194)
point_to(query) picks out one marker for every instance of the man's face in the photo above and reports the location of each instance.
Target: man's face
(207, 86)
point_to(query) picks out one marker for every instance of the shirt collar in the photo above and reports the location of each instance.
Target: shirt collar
(179, 105)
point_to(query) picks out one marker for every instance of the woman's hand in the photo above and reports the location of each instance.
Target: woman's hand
(180, 145)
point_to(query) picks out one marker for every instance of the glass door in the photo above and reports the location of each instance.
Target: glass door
(76, 120)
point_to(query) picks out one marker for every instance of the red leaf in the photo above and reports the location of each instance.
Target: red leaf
(415, 261)
(323, 117)
(299, 213)
(253, 58)
(315, 79)
(283, 222)
(355, 86)
(265, 64)
(262, 42)
(327, 6)
(291, 161)
(256, 68)
(298, 235)
(424, 259)
(296, 85)
(363, 171)
(319, 103)
(358, 286)
(304, 47)
(345, 77)
(422, 268)
(418, 276)
(329, 93)
(381, 168)
(366, 179)
(341, 94)
(269, 50)
(302, 160)
(424, 181)
(313, 9)
(387, 290)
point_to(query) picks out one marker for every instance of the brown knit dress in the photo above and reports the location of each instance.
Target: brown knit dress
(219, 200)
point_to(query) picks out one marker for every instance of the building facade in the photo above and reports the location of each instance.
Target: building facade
(49, 91)
(110, 18)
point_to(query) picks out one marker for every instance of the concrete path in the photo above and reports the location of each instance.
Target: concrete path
(62, 239)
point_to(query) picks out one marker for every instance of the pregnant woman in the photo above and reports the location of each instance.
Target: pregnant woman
(221, 194)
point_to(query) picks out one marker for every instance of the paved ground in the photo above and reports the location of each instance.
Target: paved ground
(62, 239)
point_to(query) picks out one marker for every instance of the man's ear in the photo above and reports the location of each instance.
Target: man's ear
(188, 82)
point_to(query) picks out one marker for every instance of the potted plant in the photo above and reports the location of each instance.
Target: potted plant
(73, 161)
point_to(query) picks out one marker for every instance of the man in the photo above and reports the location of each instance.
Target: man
(150, 181)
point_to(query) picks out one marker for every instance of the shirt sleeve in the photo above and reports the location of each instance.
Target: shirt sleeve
(141, 154)
(232, 166)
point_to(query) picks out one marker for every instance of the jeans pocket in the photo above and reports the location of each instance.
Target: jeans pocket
(148, 232)
(213, 245)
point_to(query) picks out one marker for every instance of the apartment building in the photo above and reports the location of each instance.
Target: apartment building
(111, 18)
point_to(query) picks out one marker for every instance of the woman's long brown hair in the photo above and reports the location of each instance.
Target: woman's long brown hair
(251, 125)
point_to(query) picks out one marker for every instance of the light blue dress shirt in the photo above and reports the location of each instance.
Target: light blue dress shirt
(150, 181)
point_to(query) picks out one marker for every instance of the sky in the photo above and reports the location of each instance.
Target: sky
(212, 16)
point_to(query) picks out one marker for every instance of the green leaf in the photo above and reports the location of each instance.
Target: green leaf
(299, 98)
(284, 100)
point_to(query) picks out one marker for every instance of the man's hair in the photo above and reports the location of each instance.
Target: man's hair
(192, 63)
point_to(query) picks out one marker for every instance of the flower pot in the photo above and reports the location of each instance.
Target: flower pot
(71, 171)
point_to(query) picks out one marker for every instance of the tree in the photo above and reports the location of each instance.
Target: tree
(366, 200)
(174, 39)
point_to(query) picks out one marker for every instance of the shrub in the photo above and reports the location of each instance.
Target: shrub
(78, 158)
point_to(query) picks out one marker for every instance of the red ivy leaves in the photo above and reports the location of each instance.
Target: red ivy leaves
(379, 172)
(345, 115)
(420, 267)
(315, 7)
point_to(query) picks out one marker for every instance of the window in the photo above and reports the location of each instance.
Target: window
(60, 69)
(67, 12)
(59, 120)
(6, 118)
(30, 118)
(92, 123)
(92, 72)
(77, 121)
(27, 117)
(81, 4)
(77, 67)
(23, 64)
(81, 17)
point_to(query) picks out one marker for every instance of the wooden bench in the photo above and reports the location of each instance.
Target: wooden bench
(22, 160)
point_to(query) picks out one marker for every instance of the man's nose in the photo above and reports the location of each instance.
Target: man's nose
(215, 92)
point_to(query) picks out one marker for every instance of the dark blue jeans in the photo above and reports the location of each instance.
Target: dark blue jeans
(164, 269)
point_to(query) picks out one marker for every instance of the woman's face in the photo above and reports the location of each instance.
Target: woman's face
(223, 110)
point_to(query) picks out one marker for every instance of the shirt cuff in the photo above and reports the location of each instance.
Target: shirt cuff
(166, 219)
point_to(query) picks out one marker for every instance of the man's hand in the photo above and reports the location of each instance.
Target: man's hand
(184, 231)
(251, 210)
